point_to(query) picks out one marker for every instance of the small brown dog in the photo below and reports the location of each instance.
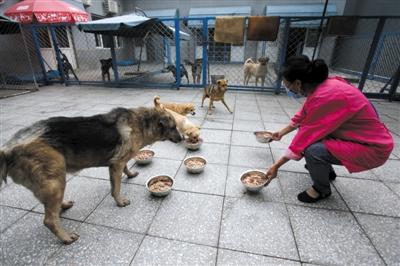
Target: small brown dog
(216, 92)
(183, 124)
(196, 70)
(258, 70)
(39, 157)
(180, 108)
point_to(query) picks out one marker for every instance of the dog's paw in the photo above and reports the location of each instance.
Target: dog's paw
(122, 202)
(132, 174)
(67, 205)
(72, 237)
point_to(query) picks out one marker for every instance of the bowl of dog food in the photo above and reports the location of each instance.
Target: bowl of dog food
(195, 164)
(193, 145)
(160, 185)
(263, 136)
(144, 157)
(254, 180)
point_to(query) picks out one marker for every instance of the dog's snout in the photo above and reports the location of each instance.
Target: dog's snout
(193, 113)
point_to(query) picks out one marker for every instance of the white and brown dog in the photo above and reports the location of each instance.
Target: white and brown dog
(258, 70)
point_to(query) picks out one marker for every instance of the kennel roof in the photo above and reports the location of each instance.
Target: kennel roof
(8, 26)
(131, 25)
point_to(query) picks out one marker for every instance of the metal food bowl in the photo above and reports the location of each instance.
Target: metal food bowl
(195, 169)
(263, 136)
(252, 186)
(193, 146)
(143, 161)
(160, 192)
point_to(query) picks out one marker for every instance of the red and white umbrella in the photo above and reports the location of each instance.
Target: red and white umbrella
(46, 11)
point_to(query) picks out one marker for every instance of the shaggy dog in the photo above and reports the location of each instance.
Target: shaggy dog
(106, 64)
(184, 126)
(184, 72)
(196, 69)
(258, 70)
(216, 92)
(39, 157)
(180, 108)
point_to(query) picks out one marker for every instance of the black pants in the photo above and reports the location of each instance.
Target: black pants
(319, 164)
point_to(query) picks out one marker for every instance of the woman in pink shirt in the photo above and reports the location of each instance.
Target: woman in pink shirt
(336, 125)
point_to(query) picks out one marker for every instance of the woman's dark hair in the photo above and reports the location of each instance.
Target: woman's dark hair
(308, 72)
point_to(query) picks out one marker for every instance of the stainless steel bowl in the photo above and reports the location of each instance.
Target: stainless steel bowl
(195, 170)
(162, 193)
(253, 188)
(144, 161)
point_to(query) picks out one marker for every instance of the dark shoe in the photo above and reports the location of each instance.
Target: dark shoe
(304, 197)
(332, 174)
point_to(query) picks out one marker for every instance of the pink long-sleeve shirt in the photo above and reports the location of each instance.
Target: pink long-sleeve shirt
(342, 117)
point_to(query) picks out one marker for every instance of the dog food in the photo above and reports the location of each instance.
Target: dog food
(195, 163)
(264, 134)
(160, 184)
(254, 179)
(193, 141)
(143, 155)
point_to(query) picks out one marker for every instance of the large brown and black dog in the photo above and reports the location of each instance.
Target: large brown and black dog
(39, 157)
(216, 92)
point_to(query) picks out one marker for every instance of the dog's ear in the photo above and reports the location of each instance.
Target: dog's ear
(157, 104)
(219, 82)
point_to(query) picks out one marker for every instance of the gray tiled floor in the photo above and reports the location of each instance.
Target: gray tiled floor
(209, 218)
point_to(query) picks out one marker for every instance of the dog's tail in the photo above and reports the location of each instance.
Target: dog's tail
(157, 103)
(249, 60)
(3, 167)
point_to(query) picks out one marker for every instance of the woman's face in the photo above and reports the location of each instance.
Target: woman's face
(294, 86)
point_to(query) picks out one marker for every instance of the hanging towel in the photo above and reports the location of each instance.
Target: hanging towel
(263, 28)
(229, 29)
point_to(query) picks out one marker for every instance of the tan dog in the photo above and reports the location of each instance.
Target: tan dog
(39, 157)
(180, 108)
(258, 70)
(216, 92)
(196, 69)
(184, 126)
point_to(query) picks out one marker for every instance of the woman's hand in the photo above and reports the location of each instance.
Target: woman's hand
(277, 135)
(272, 172)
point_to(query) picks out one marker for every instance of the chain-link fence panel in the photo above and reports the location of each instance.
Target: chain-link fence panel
(16, 73)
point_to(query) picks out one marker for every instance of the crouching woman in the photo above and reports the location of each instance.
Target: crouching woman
(336, 125)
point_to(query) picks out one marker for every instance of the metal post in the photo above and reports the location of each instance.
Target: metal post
(57, 51)
(39, 54)
(320, 28)
(371, 52)
(177, 52)
(205, 54)
(282, 54)
(114, 60)
(28, 55)
(395, 84)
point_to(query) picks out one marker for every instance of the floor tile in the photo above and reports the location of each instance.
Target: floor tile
(98, 245)
(331, 237)
(228, 258)
(250, 157)
(159, 251)
(18, 196)
(213, 152)
(29, 242)
(135, 217)
(384, 233)
(368, 196)
(389, 171)
(257, 227)
(8, 216)
(216, 136)
(169, 150)
(245, 138)
(245, 125)
(189, 217)
(211, 181)
(213, 123)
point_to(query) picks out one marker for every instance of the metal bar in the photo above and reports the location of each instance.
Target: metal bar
(205, 63)
(320, 28)
(395, 84)
(377, 55)
(371, 52)
(114, 60)
(39, 54)
(28, 55)
(177, 53)
(57, 51)
(282, 55)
